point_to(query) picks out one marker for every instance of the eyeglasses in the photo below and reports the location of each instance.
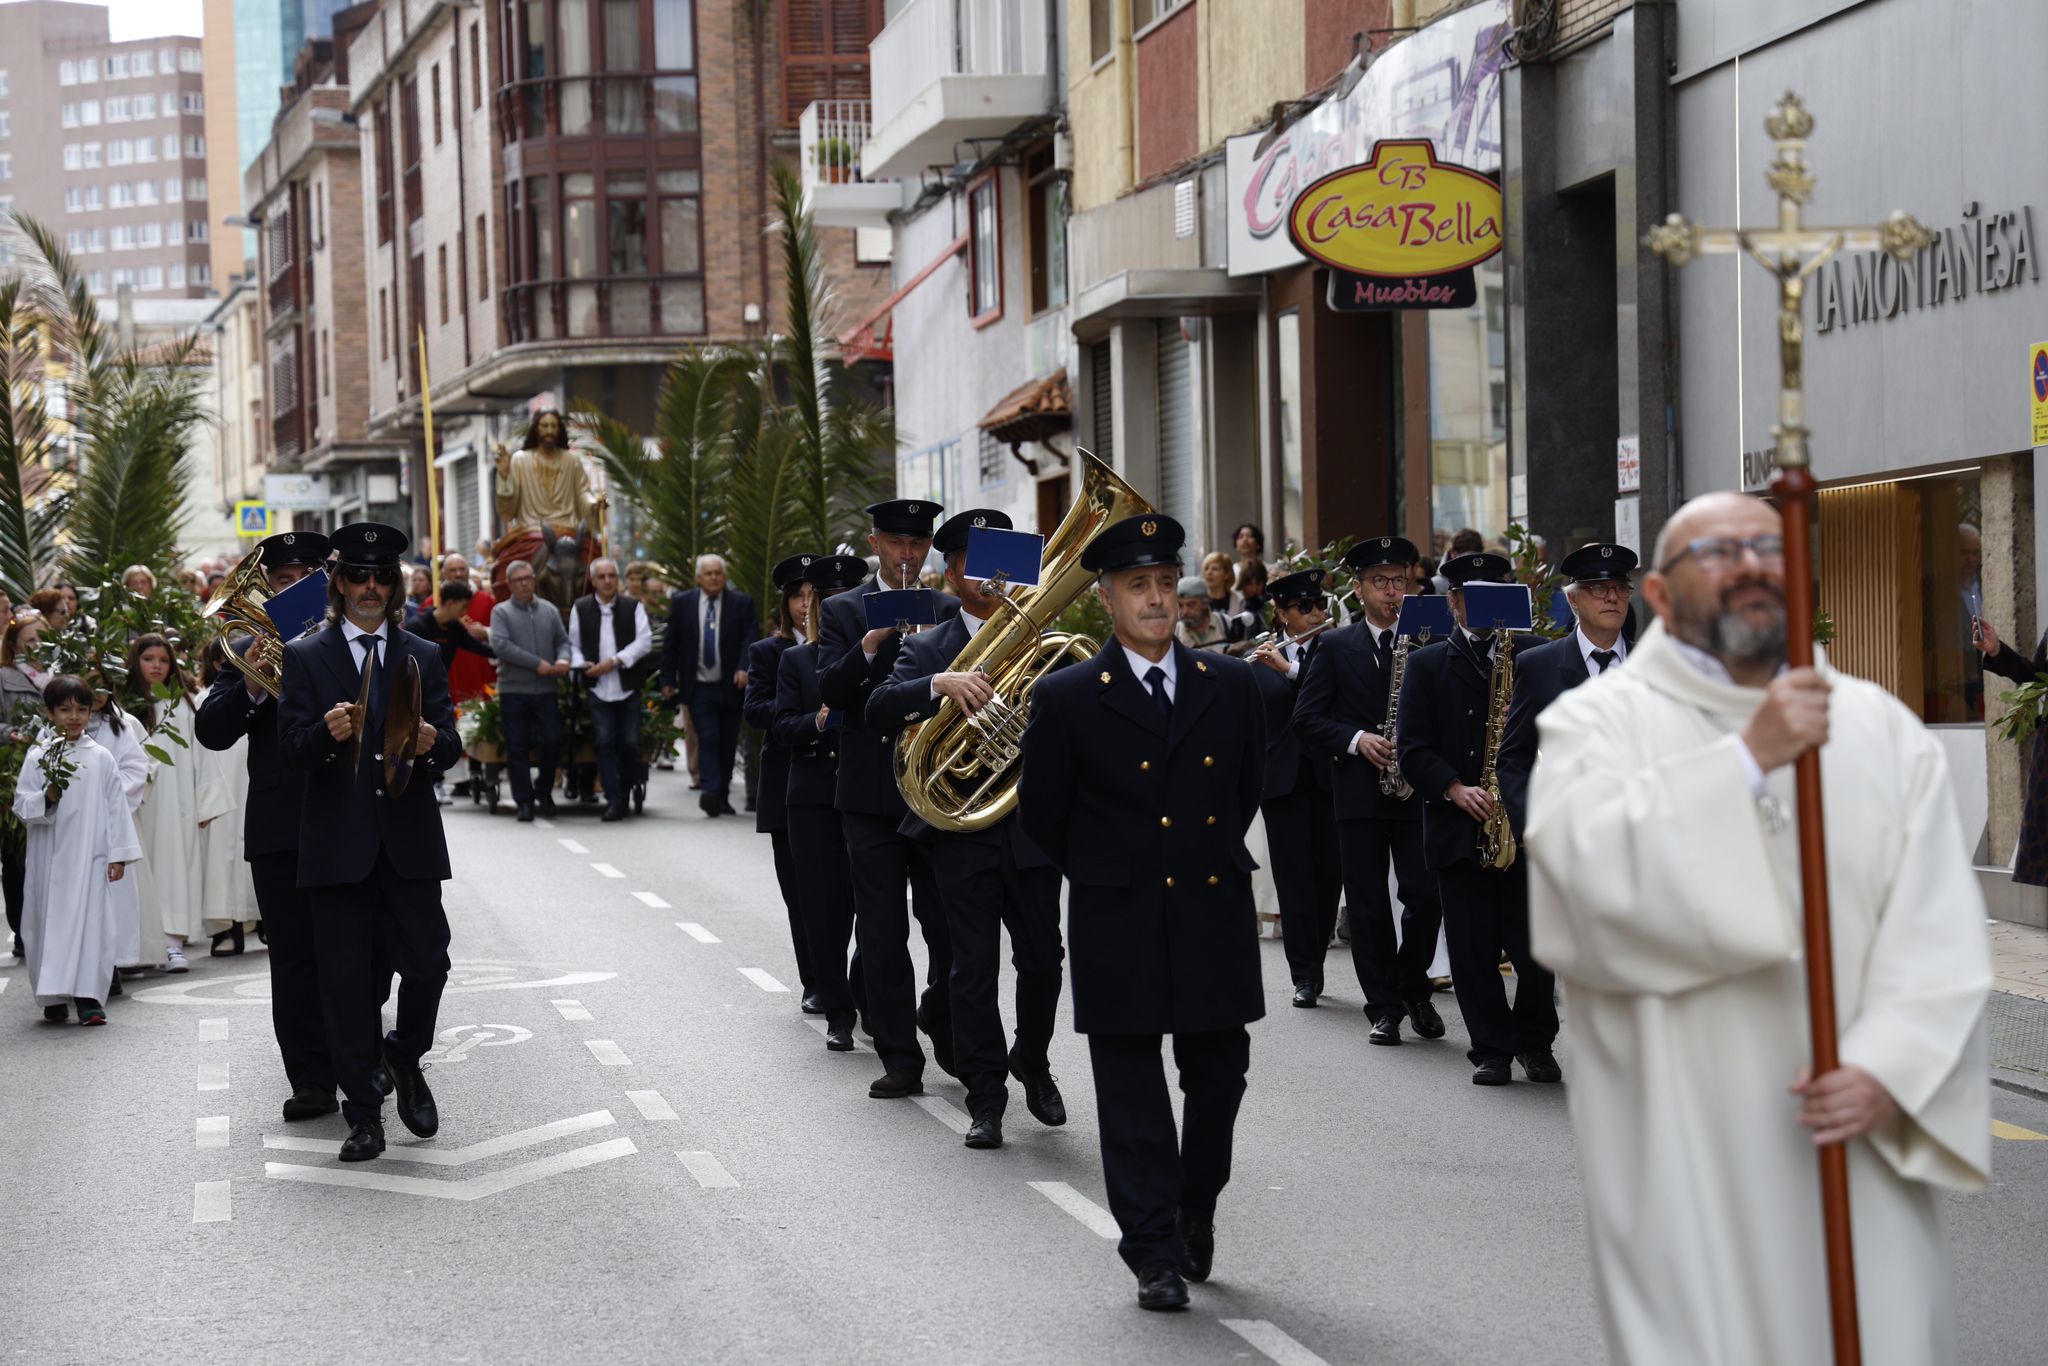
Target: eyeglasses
(1606, 588)
(1720, 552)
(1385, 581)
(362, 574)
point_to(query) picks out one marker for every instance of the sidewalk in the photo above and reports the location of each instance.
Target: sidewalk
(2019, 1006)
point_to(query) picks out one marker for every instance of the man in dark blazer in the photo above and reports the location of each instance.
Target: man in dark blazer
(852, 660)
(1142, 771)
(704, 662)
(771, 818)
(1301, 821)
(1340, 712)
(372, 863)
(232, 708)
(1442, 731)
(988, 879)
(1600, 590)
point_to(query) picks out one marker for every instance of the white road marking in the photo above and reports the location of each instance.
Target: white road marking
(762, 980)
(650, 899)
(543, 822)
(824, 1028)
(652, 1106)
(571, 1010)
(457, 1042)
(607, 1052)
(572, 846)
(1272, 1343)
(455, 1157)
(252, 989)
(697, 932)
(4, 981)
(474, 1188)
(945, 1112)
(213, 1031)
(210, 1132)
(1097, 1219)
(708, 1170)
(213, 1074)
(607, 870)
(210, 1203)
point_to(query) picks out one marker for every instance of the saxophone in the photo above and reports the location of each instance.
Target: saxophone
(1391, 781)
(1496, 835)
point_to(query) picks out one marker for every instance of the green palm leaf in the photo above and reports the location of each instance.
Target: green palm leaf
(27, 536)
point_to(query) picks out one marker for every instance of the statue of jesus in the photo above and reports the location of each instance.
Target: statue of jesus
(544, 497)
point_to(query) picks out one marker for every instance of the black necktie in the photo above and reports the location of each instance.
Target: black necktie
(1383, 647)
(1155, 679)
(1603, 658)
(369, 644)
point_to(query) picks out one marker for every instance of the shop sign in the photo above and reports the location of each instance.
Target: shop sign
(1988, 252)
(2037, 381)
(1403, 215)
(297, 492)
(1628, 464)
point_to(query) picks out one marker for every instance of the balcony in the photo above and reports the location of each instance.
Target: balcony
(832, 133)
(945, 71)
(605, 308)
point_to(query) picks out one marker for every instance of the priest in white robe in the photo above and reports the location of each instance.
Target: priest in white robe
(68, 911)
(1664, 893)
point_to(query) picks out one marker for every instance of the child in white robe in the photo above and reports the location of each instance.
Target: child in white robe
(181, 799)
(80, 841)
(121, 736)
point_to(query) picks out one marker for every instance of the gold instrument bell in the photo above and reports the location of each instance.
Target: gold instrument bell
(237, 608)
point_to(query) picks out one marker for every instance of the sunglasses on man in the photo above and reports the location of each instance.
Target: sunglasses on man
(361, 574)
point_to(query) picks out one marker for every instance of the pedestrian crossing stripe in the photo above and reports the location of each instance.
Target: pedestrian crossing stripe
(2000, 1129)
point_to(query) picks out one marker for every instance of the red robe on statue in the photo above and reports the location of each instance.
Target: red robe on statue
(471, 673)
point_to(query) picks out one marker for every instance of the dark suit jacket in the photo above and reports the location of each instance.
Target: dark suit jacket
(1289, 764)
(347, 818)
(1124, 802)
(1442, 739)
(1543, 673)
(738, 628)
(867, 761)
(270, 817)
(813, 753)
(1344, 694)
(905, 698)
(764, 658)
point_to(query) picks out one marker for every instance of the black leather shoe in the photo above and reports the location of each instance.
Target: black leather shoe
(1042, 1098)
(1304, 995)
(896, 1085)
(942, 1041)
(524, 817)
(1541, 1065)
(810, 1004)
(545, 807)
(1427, 1022)
(416, 1110)
(839, 1040)
(1160, 1287)
(364, 1142)
(708, 804)
(1199, 1237)
(613, 813)
(986, 1132)
(1386, 1029)
(1492, 1072)
(725, 808)
(380, 1077)
(309, 1102)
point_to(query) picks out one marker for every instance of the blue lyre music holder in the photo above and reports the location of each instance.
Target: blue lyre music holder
(1010, 558)
(899, 609)
(299, 608)
(1499, 607)
(1424, 616)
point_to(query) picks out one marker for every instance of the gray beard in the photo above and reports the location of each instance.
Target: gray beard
(1734, 641)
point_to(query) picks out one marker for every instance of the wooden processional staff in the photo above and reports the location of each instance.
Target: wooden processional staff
(1790, 252)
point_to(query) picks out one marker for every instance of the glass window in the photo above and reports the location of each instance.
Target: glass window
(681, 245)
(177, 280)
(170, 147)
(579, 225)
(141, 64)
(535, 66)
(1287, 379)
(190, 59)
(145, 192)
(152, 277)
(195, 190)
(117, 109)
(89, 113)
(120, 195)
(74, 200)
(626, 222)
(145, 149)
(92, 154)
(67, 73)
(540, 227)
(67, 115)
(572, 53)
(174, 191)
(1468, 448)
(195, 230)
(1951, 515)
(985, 248)
(675, 44)
(93, 198)
(73, 159)
(145, 106)
(117, 66)
(675, 104)
(150, 234)
(1048, 244)
(1101, 28)
(174, 232)
(195, 145)
(624, 108)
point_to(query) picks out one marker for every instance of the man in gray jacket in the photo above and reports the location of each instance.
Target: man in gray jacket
(533, 651)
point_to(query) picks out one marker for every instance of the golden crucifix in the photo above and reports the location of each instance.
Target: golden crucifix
(1791, 252)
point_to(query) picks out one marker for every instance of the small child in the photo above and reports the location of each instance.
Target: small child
(80, 840)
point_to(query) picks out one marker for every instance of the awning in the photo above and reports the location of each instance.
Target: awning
(1033, 411)
(872, 338)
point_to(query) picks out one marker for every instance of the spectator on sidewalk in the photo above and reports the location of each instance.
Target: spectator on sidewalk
(532, 646)
(1200, 625)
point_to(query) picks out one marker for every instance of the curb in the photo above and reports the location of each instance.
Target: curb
(2021, 1083)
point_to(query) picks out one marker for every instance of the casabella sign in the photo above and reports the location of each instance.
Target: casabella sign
(1403, 215)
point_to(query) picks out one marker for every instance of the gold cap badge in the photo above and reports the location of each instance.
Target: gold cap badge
(1149, 528)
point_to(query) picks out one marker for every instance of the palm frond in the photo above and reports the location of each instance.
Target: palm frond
(129, 504)
(27, 536)
(761, 512)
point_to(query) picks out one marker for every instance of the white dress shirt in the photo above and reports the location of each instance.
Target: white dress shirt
(608, 688)
(1140, 666)
(707, 606)
(1586, 648)
(353, 633)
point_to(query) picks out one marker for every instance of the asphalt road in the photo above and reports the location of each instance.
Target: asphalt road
(647, 1155)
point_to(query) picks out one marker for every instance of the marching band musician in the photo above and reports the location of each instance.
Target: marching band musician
(1340, 713)
(807, 728)
(988, 879)
(770, 786)
(1301, 823)
(851, 660)
(371, 864)
(1142, 772)
(1442, 731)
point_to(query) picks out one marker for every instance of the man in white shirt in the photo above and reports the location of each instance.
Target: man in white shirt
(609, 639)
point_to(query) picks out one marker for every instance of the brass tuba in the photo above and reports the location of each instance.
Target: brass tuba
(237, 606)
(959, 772)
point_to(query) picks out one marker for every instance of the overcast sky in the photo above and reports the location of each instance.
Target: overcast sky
(153, 18)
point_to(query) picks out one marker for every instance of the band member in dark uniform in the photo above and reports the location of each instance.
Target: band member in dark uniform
(1142, 771)
(851, 661)
(371, 864)
(764, 658)
(1301, 822)
(811, 733)
(1340, 712)
(1443, 721)
(989, 879)
(1600, 591)
(233, 707)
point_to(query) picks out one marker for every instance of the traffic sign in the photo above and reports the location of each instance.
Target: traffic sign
(252, 518)
(2037, 376)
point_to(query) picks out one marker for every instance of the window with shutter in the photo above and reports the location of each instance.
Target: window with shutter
(825, 52)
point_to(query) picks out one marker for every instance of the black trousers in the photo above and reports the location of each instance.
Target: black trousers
(785, 878)
(1389, 976)
(295, 1010)
(401, 920)
(984, 890)
(1301, 839)
(532, 723)
(892, 878)
(1486, 914)
(13, 870)
(1152, 1173)
(824, 896)
(716, 710)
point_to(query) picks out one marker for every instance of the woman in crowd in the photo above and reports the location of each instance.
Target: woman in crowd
(1250, 544)
(22, 681)
(1221, 576)
(50, 604)
(140, 579)
(181, 799)
(1251, 589)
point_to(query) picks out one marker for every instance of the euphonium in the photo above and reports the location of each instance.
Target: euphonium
(1496, 834)
(237, 605)
(960, 772)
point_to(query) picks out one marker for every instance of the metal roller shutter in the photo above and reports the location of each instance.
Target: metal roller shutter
(1102, 400)
(1176, 434)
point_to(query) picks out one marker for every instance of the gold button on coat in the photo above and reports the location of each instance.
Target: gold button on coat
(1144, 765)
(1169, 882)
(1210, 821)
(1166, 822)
(1208, 761)
(1212, 879)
